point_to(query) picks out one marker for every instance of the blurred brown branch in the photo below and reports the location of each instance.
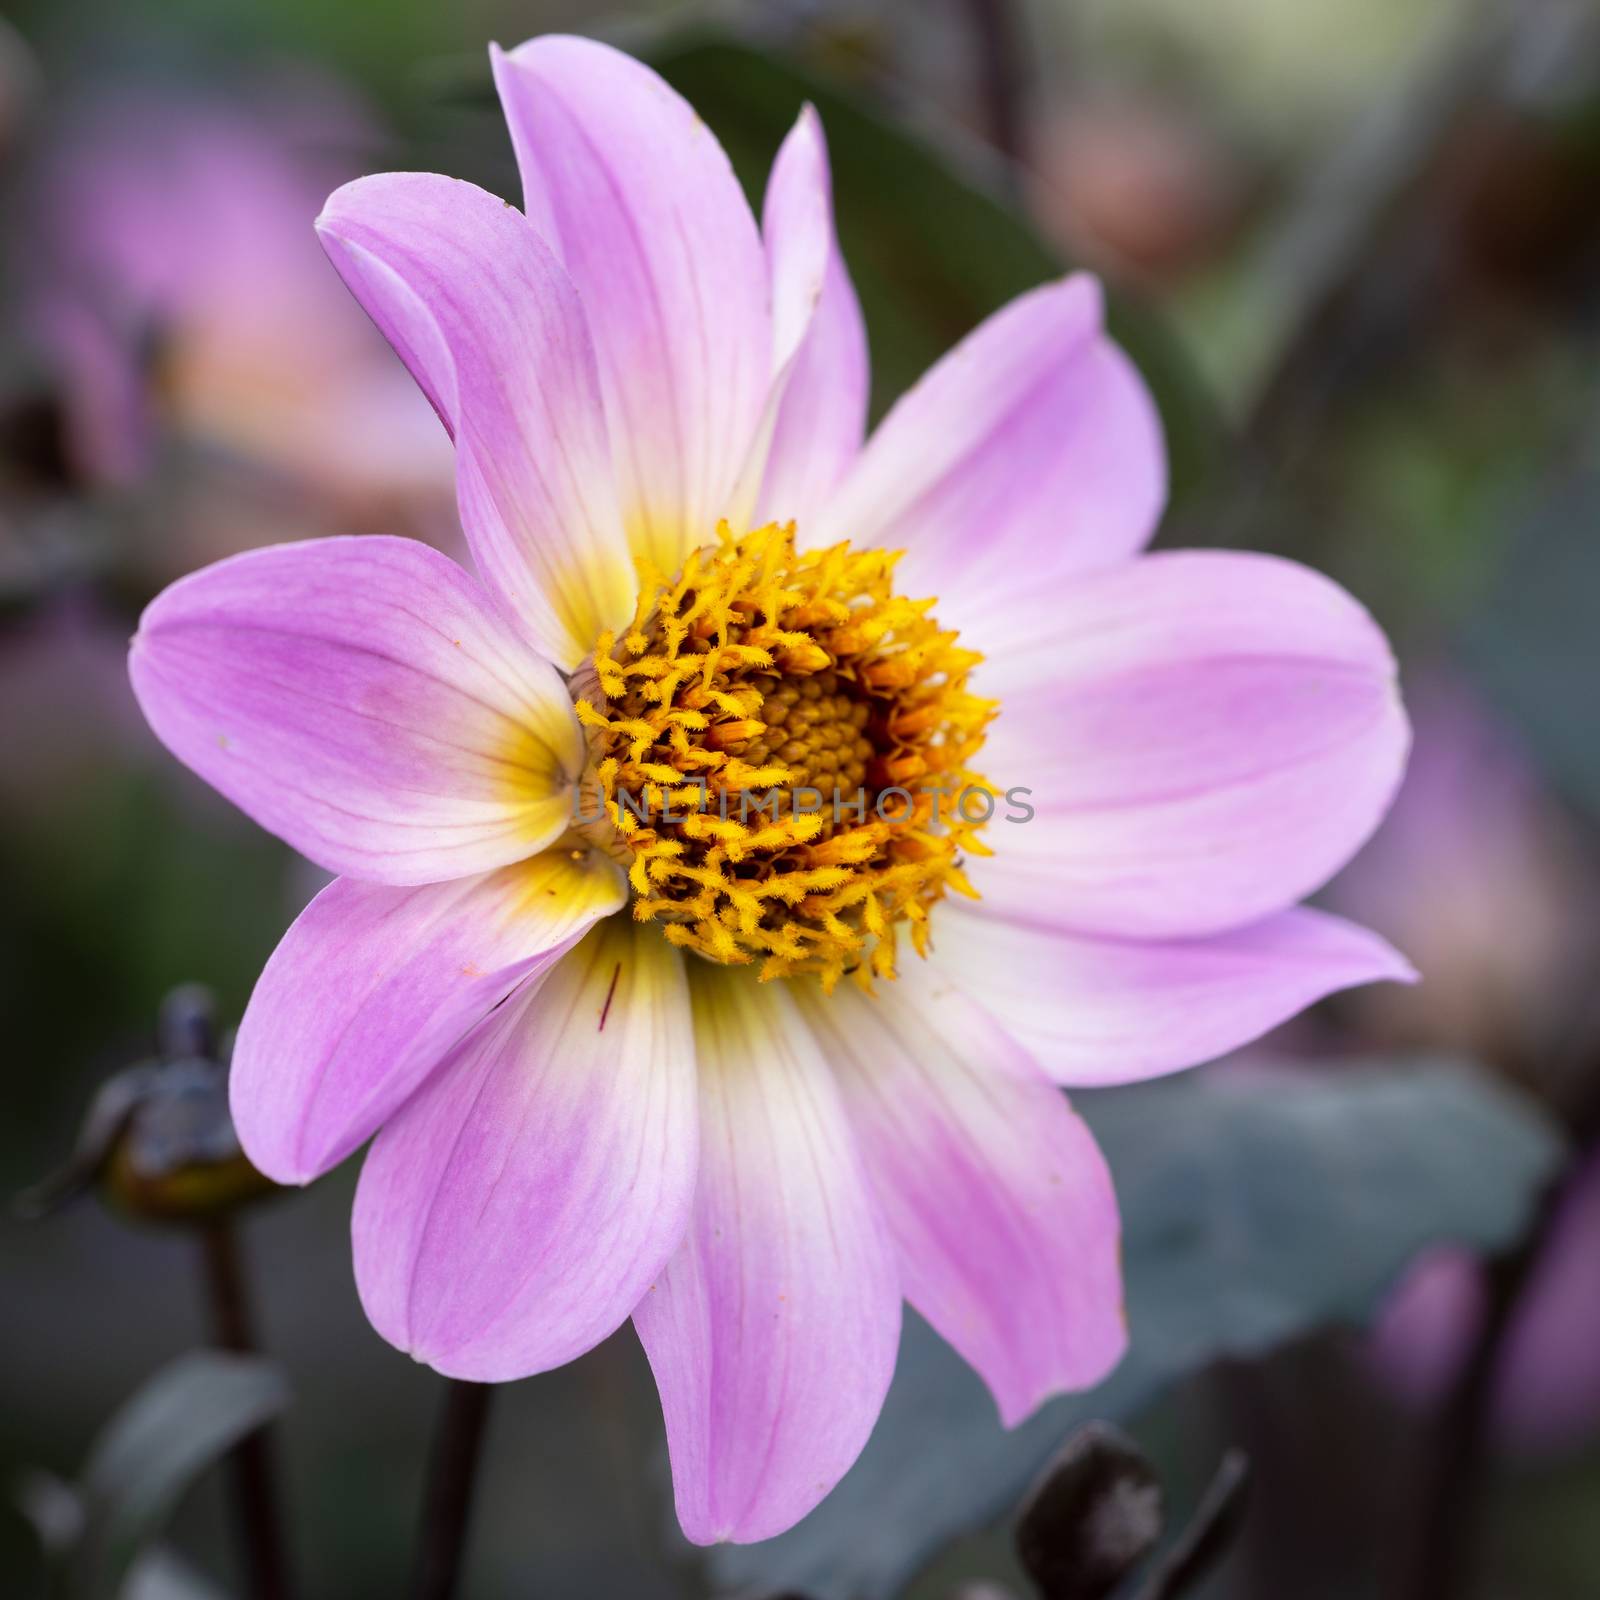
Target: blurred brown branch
(995, 30)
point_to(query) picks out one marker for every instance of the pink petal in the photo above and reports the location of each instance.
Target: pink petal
(1207, 737)
(1094, 1010)
(797, 230)
(634, 194)
(817, 325)
(1028, 452)
(493, 331)
(362, 699)
(773, 1330)
(511, 1215)
(372, 986)
(998, 1199)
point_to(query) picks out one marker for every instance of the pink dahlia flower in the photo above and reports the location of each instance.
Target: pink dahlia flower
(752, 1080)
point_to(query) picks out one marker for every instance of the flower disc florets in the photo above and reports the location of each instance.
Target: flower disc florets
(781, 747)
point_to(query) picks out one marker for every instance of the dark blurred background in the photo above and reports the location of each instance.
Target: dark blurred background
(1355, 246)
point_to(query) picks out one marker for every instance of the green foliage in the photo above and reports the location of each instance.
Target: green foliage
(101, 1533)
(1534, 645)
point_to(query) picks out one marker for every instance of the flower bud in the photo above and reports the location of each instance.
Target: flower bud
(157, 1141)
(1092, 1518)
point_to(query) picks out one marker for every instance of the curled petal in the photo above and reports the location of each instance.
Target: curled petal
(493, 331)
(997, 1197)
(634, 194)
(373, 985)
(1207, 738)
(512, 1214)
(773, 1330)
(362, 699)
(1094, 1010)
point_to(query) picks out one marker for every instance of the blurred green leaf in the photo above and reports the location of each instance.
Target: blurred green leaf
(932, 245)
(186, 1418)
(1254, 1210)
(52, 1509)
(56, 1512)
(159, 1574)
(1534, 645)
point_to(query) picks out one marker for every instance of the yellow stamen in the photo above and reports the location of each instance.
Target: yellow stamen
(758, 674)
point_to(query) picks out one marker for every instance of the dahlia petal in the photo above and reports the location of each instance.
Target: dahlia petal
(1029, 452)
(634, 194)
(1093, 1010)
(820, 340)
(493, 331)
(372, 986)
(511, 1215)
(1207, 736)
(773, 1330)
(997, 1197)
(362, 699)
(797, 230)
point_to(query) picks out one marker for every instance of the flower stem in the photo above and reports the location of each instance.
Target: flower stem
(256, 1509)
(1209, 1535)
(1452, 1504)
(1453, 1487)
(452, 1476)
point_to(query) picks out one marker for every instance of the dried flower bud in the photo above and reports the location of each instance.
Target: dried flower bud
(1094, 1515)
(157, 1140)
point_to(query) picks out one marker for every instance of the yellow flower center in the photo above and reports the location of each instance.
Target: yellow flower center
(780, 749)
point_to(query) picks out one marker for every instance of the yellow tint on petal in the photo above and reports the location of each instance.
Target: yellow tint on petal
(591, 589)
(539, 760)
(660, 539)
(570, 884)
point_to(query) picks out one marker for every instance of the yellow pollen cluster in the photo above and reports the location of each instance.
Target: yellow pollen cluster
(758, 674)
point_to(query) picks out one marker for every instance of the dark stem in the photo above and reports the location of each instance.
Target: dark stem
(994, 28)
(1453, 1484)
(257, 1515)
(1460, 1446)
(452, 1475)
(1209, 1536)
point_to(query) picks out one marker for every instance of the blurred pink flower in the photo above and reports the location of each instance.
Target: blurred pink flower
(587, 1103)
(1547, 1393)
(1477, 876)
(1138, 180)
(64, 707)
(174, 283)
